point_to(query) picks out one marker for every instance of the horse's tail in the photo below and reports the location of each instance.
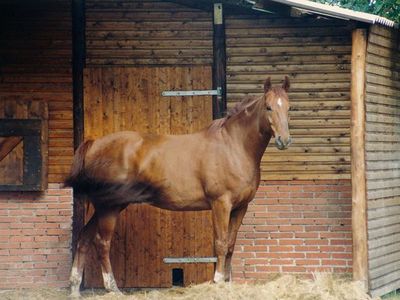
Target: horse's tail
(78, 165)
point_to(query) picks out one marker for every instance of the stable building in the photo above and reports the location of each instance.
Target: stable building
(74, 70)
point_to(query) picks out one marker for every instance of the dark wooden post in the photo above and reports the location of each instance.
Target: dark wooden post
(78, 62)
(359, 203)
(219, 62)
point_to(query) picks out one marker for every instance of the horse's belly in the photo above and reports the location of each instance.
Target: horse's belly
(182, 205)
(182, 199)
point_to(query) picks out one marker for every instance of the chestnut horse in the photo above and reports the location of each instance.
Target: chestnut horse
(217, 168)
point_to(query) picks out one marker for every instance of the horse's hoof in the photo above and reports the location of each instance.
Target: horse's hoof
(219, 277)
(74, 295)
(115, 293)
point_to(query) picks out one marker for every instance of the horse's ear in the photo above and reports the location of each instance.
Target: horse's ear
(286, 84)
(267, 85)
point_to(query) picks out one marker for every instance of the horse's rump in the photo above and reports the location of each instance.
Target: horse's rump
(103, 193)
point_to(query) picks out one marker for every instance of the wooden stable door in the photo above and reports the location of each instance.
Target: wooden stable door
(130, 99)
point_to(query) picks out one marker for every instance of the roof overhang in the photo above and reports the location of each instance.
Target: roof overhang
(330, 11)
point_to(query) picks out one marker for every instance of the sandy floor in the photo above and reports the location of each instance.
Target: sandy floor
(323, 287)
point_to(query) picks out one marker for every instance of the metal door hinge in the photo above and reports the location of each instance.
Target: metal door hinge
(217, 92)
(188, 260)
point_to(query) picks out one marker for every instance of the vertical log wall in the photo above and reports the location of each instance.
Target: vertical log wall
(383, 158)
(315, 54)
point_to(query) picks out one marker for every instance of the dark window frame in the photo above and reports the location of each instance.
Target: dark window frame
(31, 132)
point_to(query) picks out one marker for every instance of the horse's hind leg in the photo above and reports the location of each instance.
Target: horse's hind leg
(84, 241)
(107, 220)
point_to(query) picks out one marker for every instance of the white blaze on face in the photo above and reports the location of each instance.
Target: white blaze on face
(280, 102)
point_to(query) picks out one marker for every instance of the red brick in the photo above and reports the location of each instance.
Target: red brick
(21, 238)
(21, 225)
(256, 261)
(293, 269)
(316, 228)
(238, 254)
(266, 242)
(33, 219)
(281, 235)
(60, 219)
(316, 242)
(280, 248)
(266, 228)
(266, 214)
(332, 249)
(290, 188)
(8, 219)
(333, 262)
(253, 221)
(282, 262)
(307, 235)
(342, 255)
(47, 225)
(21, 212)
(268, 255)
(318, 255)
(266, 188)
(46, 238)
(260, 275)
(301, 195)
(8, 205)
(309, 262)
(292, 255)
(33, 232)
(341, 242)
(270, 269)
(290, 242)
(292, 228)
(255, 248)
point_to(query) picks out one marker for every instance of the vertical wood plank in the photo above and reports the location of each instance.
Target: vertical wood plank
(219, 61)
(359, 203)
(78, 60)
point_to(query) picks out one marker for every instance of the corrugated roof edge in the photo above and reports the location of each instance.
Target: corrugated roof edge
(338, 12)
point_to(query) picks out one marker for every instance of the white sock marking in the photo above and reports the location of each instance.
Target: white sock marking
(218, 277)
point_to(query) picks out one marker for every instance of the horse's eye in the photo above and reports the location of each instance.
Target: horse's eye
(269, 108)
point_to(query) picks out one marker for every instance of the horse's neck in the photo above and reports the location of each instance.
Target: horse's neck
(245, 129)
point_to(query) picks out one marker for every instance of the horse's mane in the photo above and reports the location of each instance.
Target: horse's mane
(234, 111)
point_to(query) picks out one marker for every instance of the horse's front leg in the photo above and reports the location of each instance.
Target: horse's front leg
(221, 209)
(234, 225)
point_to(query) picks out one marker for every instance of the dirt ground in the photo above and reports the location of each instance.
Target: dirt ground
(286, 287)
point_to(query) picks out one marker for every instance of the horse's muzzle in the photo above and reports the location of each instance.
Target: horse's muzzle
(282, 145)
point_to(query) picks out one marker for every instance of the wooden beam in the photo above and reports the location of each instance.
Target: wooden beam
(7, 144)
(219, 61)
(359, 201)
(78, 62)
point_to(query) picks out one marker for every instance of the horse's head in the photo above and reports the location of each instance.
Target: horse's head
(276, 111)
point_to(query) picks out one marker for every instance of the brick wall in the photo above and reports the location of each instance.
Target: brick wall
(291, 226)
(295, 227)
(35, 238)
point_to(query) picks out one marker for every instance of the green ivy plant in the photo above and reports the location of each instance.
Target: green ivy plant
(386, 8)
